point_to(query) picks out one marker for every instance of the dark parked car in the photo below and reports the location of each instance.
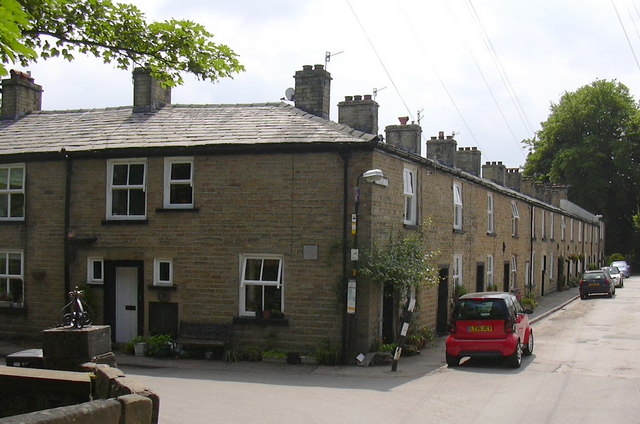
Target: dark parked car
(489, 324)
(597, 281)
(623, 266)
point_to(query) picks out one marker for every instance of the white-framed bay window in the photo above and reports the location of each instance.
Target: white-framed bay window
(178, 183)
(163, 272)
(12, 276)
(95, 270)
(12, 178)
(126, 189)
(457, 206)
(409, 191)
(261, 284)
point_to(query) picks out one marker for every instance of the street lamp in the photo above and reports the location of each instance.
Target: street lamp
(371, 176)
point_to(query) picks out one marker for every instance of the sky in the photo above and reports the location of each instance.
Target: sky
(485, 71)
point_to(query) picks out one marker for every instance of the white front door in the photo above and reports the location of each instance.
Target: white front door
(126, 303)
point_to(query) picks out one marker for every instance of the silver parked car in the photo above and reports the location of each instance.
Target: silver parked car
(623, 266)
(616, 275)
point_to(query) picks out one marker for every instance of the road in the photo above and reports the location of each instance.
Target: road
(584, 370)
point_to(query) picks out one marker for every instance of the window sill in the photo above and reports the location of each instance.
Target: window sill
(11, 221)
(458, 231)
(276, 322)
(411, 226)
(13, 310)
(125, 222)
(160, 287)
(164, 210)
(492, 234)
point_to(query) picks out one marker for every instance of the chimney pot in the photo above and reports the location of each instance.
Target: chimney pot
(348, 98)
(357, 98)
(441, 135)
(403, 120)
(319, 67)
(367, 97)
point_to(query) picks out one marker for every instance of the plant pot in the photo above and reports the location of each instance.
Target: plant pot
(139, 348)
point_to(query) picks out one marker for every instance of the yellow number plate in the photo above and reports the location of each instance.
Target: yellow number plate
(476, 328)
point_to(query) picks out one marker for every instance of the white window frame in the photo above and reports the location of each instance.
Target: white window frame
(533, 222)
(5, 277)
(551, 263)
(409, 192)
(551, 225)
(10, 193)
(513, 270)
(91, 277)
(543, 223)
(457, 206)
(279, 283)
(489, 270)
(515, 218)
(571, 229)
(580, 231)
(457, 270)
(110, 188)
(168, 182)
(563, 227)
(157, 265)
(491, 229)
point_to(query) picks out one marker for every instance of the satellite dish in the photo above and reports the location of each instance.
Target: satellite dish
(290, 94)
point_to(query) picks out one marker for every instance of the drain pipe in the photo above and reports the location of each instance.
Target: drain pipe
(345, 155)
(67, 220)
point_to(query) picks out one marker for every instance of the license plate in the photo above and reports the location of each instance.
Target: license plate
(478, 328)
(594, 284)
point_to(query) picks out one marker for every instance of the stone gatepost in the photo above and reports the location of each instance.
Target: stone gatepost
(67, 348)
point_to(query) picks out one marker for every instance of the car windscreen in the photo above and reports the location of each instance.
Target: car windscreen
(619, 264)
(473, 309)
(593, 276)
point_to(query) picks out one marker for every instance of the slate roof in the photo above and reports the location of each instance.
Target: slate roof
(171, 126)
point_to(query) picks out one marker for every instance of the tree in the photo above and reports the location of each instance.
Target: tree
(116, 33)
(590, 141)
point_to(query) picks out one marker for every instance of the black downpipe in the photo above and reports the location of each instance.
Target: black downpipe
(67, 223)
(345, 250)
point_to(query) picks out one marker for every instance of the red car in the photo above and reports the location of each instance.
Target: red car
(489, 324)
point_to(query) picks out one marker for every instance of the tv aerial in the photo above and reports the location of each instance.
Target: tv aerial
(376, 91)
(328, 55)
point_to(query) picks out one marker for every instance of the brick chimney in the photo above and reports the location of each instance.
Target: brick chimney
(312, 91)
(407, 137)
(469, 159)
(148, 94)
(494, 171)
(358, 113)
(442, 149)
(513, 178)
(20, 95)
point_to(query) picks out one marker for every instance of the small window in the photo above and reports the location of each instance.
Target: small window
(543, 230)
(409, 182)
(514, 270)
(261, 284)
(490, 219)
(95, 271)
(489, 270)
(457, 206)
(457, 270)
(563, 227)
(515, 217)
(178, 183)
(11, 277)
(551, 226)
(126, 189)
(12, 192)
(162, 272)
(571, 229)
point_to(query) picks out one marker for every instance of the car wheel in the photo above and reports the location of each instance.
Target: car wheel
(452, 361)
(515, 359)
(583, 296)
(611, 293)
(528, 349)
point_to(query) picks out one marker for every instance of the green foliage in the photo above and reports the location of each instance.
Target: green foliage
(159, 345)
(615, 257)
(593, 266)
(405, 263)
(459, 290)
(117, 33)
(231, 355)
(593, 136)
(327, 354)
(529, 301)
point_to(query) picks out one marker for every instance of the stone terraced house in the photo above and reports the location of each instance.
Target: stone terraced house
(215, 213)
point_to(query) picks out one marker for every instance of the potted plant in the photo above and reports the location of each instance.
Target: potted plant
(139, 345)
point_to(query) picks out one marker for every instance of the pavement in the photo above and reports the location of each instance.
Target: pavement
(430, 358)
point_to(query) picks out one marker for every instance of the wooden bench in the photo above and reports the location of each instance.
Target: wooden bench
(204, 334)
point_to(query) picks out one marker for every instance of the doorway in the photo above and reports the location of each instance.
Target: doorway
(505, 277)
(480, 277)
(124, 299)
(442, 316)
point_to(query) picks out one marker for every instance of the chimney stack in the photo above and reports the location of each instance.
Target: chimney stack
(407, 137)
(442, 149)
(513, 178)
(358, 113)
(494, 171)
(469, 159)
(20, 95)
(148, 94)
(313, 88)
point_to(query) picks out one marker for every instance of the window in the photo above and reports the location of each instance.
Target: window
(515, 217)
(12, 192)
(489, 270)
(543, 230)
(490, 220)
(457, 206)
(571, 229)
(11, 277)
(533, 222)
(162, 272)
(409, 178)
(260, 284)
(95, 271)
(178, 183)
(514, 270)
(126, 189)
(563, 227)
(579, 231)
(457, 270)
(551, 266)
(551, 225)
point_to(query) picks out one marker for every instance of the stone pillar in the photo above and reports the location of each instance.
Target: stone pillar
(358, 113)
(67, 348)
(313, 90)
(20, 95)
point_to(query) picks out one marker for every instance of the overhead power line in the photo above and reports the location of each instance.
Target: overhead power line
(633, 52)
